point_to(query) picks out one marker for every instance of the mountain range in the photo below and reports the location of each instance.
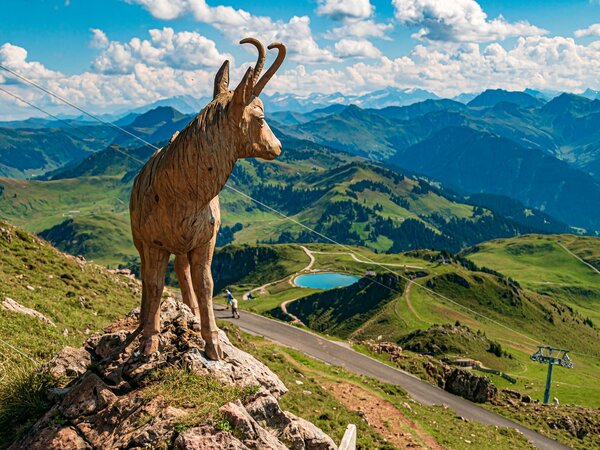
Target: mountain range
(542, 155)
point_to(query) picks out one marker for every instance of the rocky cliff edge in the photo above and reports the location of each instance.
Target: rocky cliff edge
(116, 398)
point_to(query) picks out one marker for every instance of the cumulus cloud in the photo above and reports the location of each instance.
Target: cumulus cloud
(592, 30)
(552, 63)
(238, 23)
(99, 39)
(356, 48)
(458, 21)
(15, 58)
(360, 29)
(345, 10)
(165, 48)
(100, 92)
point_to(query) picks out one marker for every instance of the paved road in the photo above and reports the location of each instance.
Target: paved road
(340, 355)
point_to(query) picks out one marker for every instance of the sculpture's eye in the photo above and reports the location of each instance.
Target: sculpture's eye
(261, 120)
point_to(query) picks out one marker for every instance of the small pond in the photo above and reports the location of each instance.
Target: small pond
(325, 280)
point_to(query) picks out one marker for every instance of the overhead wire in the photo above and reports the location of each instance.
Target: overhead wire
(284, 216)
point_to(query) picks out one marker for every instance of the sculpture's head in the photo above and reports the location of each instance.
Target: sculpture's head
(245, 110)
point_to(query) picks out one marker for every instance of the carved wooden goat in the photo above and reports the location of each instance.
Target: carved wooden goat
(174, 203)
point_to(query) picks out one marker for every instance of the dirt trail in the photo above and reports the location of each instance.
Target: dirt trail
(384, 417)
(580, 259)
(355, 258)
(408, 303)
(283, 307)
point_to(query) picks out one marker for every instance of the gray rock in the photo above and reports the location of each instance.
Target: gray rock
(207, 438)
(9, 304)
(69, 362)
(107, 408)
(252, 434)
(296, 432)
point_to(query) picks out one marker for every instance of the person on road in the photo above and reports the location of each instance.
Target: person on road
(234, 308)
(229, 297)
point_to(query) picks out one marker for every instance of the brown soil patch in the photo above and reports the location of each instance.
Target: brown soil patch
(384, 417)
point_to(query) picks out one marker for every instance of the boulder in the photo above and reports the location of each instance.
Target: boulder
(57, 438)
(252, 433)
(296, 432)
(9, 304)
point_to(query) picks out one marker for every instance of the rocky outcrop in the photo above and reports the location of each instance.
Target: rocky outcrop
(105, 406)
(473, 387)
(465, 383)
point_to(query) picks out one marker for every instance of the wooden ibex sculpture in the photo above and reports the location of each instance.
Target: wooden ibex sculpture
(174, 203)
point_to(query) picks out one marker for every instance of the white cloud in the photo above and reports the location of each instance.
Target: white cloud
(238, 23)
(458, 21)
(592, 30)
(99, 39)
(356, 48)
(360, 29)
(344, 10)
(165, 48)
(555, 63)
(15, 58)
(552, 63)
(164, 9)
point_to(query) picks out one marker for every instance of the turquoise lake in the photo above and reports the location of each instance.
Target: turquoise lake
(326, 280)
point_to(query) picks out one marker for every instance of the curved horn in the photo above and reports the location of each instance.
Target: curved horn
(262, 55)
(271, 70)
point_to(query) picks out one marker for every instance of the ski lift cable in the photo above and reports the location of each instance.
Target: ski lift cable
(258, 202)
(12, 94)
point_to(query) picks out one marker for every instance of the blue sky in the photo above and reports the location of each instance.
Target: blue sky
(103, 54)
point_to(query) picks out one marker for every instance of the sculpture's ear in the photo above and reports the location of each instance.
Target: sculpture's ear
(221, 80)
(243, 93)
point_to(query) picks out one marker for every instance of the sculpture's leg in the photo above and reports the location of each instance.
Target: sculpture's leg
(144, 305)
(200, 261)
(182, 269)
(153, 282)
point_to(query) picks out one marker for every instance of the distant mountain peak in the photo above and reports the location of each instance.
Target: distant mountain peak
(491, 97)
(157, 115)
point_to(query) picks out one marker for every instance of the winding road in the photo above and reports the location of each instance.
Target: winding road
(339, 354)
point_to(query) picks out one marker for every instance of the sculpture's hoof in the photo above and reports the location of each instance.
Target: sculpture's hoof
(213, 350)
(149, 345)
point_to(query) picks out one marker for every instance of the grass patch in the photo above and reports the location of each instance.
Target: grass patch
(23, 399)
(200, 395)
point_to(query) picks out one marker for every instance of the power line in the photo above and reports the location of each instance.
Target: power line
(64, 100)
(12, 94)
(19, 351)
(350, 250)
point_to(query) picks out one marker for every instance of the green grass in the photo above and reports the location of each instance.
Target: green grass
(486, 294)
(201, 395)
(103, 238)
(539, 263)
(78, 298)
(23, 397)
(327, 412)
